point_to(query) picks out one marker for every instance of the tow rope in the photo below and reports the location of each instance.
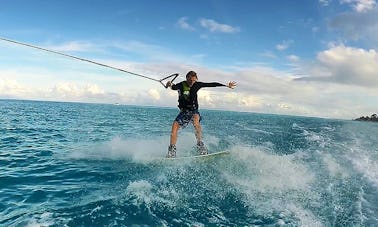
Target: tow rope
(175, 75)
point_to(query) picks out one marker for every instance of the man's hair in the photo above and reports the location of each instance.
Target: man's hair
(190, 74)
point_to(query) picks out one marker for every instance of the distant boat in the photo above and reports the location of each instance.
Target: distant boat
(117, 104)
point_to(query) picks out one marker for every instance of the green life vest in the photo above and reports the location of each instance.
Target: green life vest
(185, 91)
(186, 101)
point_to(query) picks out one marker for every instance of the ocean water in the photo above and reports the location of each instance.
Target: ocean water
(73, 164)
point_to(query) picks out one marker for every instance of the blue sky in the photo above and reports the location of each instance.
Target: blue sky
(312, 58)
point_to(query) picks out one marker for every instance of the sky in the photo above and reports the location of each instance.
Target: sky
(314, 58)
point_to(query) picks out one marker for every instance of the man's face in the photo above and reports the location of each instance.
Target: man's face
(191, 79)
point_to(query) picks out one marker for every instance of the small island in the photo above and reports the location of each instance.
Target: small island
(373, 117)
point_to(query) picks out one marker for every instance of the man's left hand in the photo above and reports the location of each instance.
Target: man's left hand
(231, 84)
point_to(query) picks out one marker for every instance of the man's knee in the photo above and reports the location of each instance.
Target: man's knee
(175, 126)
(196, 117)
(196, 120)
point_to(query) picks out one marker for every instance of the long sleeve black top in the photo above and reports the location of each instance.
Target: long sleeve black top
(190, 101)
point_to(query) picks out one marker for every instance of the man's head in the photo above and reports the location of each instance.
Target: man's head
(191, 77)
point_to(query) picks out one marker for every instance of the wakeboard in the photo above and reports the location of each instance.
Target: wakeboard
(197, 157)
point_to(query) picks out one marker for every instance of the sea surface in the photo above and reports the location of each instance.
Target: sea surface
(74, 164)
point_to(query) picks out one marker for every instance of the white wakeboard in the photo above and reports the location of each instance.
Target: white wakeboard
(205, 156)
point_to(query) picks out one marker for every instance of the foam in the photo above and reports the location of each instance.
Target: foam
(270, 171)
(142, 192)
(364, 159)
(273, 184)
(366, 165)
(249, 128)
(137, 149)
(269, 182)
(334, 168)
(119, 149)
(314, 137)
(306, 217)
(44, 219)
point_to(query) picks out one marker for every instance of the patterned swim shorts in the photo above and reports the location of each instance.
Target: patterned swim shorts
(185, 117)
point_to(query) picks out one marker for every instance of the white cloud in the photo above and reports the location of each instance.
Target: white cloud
(75, 92)
(260, 89)
(329, 92)
(358, 26)
(284, 45)
(281, 47)
(360, 5)
(152, 52)
(72, 46)
(209, 24)
(269, 54)
(324, 2)
(138, 47)
(182, 23)
(94, 89)
(12, 88)
(293, 58)
(315, 29)
(66, 90)
(214, 26)
(154, 93)
(346, 65)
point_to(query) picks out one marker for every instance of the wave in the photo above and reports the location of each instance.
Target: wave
(270, 187)
(101, 169)
(299, 188)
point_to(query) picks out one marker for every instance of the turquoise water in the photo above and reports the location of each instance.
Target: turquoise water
(72, 164)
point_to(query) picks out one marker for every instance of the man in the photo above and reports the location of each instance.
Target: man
(188, 104)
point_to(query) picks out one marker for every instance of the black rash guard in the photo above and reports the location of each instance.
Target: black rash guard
(188, 96)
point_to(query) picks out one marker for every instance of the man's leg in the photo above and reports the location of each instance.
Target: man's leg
(173, 140)
(197, 126)
(174, 131)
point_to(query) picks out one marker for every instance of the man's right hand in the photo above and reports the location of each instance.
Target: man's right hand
(169, 84)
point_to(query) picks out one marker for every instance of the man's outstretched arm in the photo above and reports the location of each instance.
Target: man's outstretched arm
(231, 84)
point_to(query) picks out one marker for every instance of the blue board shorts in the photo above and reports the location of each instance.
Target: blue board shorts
(186, 116)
